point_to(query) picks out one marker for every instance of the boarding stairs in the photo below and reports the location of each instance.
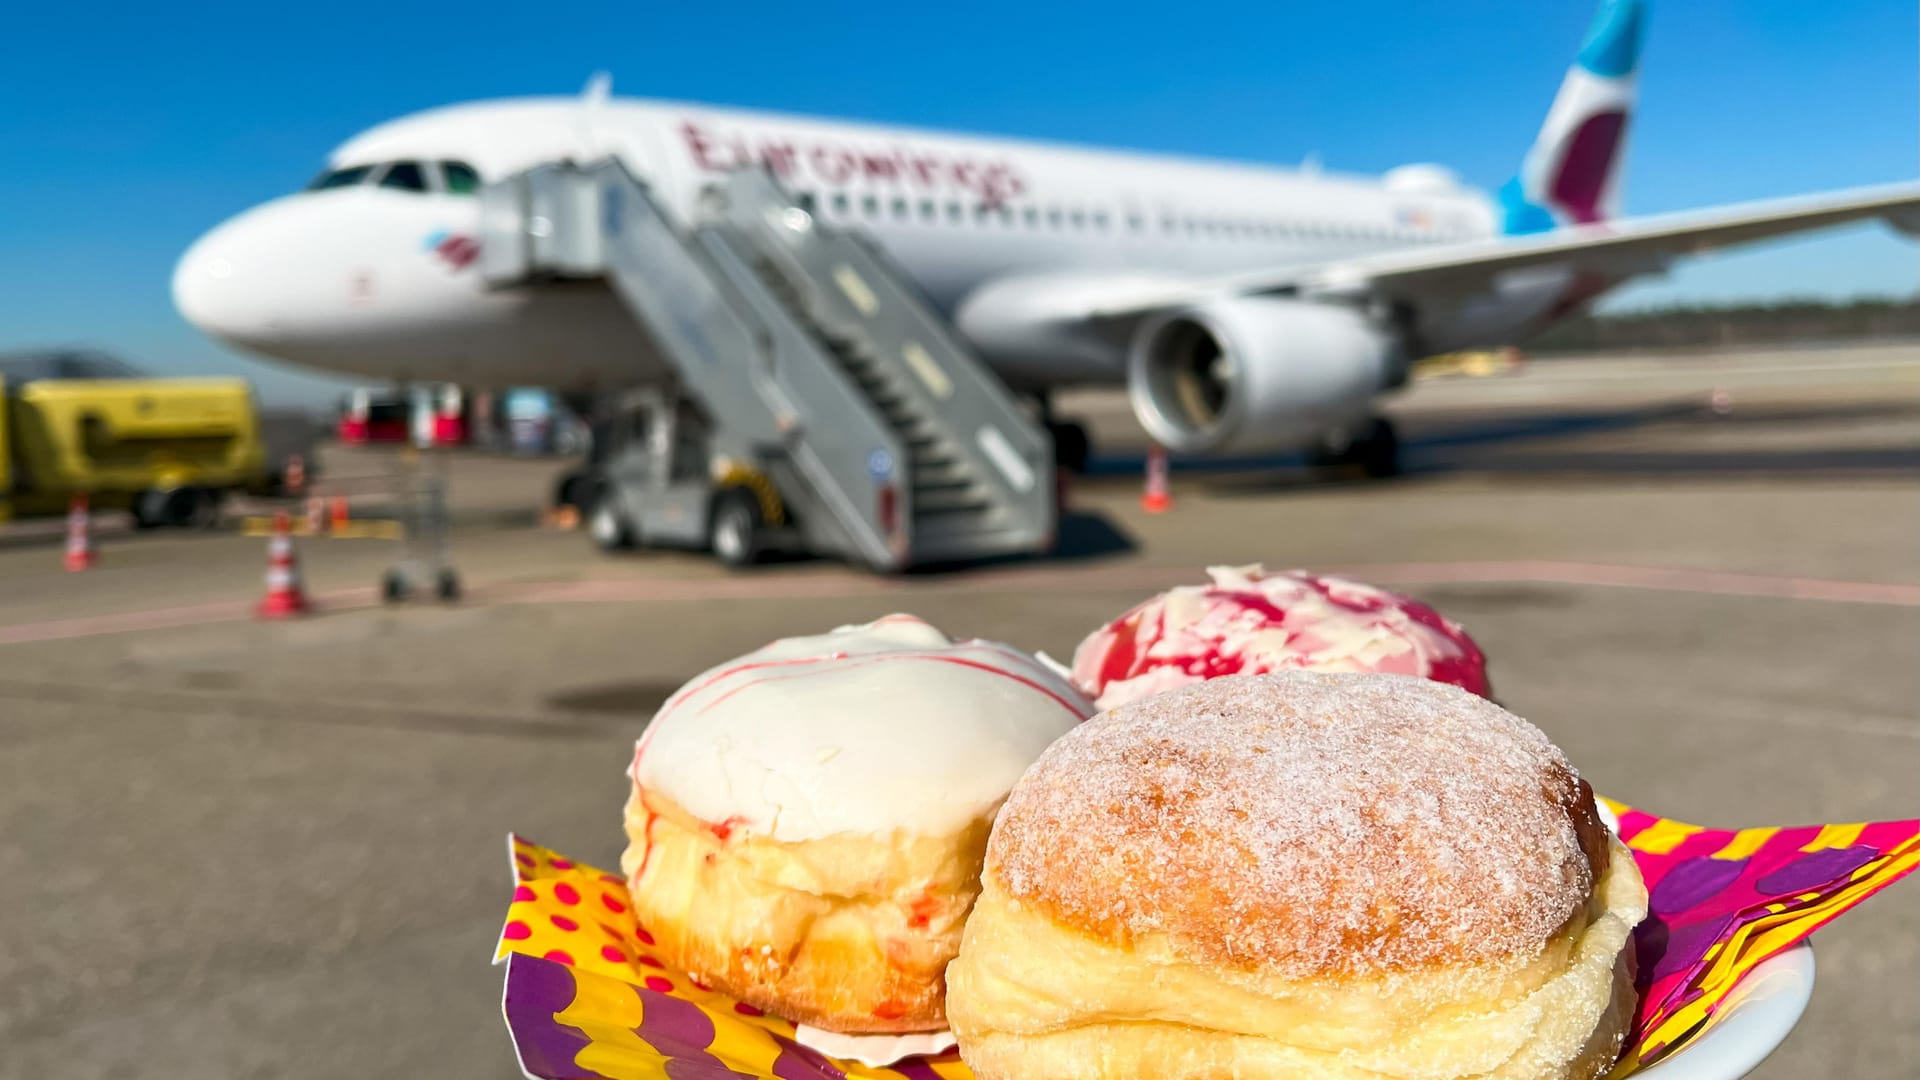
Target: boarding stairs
(810, 353)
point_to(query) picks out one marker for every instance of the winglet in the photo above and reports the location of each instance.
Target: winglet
(1571, 175)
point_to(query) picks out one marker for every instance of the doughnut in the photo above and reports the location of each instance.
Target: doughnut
(806, 823)
(1250, 621)
(1303, 875)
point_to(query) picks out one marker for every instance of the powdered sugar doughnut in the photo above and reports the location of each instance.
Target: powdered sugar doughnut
(1300, 875)
(807, 822)
(1250, 621)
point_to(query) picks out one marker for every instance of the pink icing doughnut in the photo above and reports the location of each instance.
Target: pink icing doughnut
(1250, 621)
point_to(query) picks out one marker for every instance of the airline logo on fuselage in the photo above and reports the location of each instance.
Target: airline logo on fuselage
(836, 164)
(451, 248)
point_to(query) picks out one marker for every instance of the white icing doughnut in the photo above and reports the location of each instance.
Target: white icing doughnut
(866, 729)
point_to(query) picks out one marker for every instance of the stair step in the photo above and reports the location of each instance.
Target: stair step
(946, 474)
(925, 454)
(950, 500)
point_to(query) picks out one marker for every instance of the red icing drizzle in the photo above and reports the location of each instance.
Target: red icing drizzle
(1129, 640)
(646, 831)
(922, 911)
(1118, 663)
(876, 658)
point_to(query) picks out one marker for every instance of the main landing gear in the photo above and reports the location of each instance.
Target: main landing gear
(1072, 446)
(1371, 450)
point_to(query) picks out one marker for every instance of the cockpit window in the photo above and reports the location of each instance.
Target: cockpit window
(338, 178)
(460, 177)
(405, 175)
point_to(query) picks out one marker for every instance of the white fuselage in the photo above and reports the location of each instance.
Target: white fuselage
(376, 278)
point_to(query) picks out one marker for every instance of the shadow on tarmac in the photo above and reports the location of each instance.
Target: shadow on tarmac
(1512, 445)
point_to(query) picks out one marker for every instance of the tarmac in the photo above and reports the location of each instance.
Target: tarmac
(245, 849)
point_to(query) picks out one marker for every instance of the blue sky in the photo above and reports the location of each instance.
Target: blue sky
(130, 133)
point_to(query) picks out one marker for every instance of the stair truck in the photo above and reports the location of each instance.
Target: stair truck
(818, 402)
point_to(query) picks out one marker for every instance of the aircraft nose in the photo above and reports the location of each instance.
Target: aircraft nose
(224, 283)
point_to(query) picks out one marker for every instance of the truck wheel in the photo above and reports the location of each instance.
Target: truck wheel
(149, 509)
(199, 508)
(606, 526)
(733, 530)
(394, 587)
(1072, 446)
(448, 586)
(575, 489)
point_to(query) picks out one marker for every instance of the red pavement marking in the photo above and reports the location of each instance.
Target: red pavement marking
(1042, 579)
(165, 618)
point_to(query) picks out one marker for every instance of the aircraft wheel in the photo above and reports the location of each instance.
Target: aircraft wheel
(1372, 453)
(1377, 453)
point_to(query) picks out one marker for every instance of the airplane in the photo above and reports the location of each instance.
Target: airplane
(1245, 308)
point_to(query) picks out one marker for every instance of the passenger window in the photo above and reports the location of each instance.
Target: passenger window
(871, 204)
(804, 201)
(1100, 220)
(339, 178)
(1032, 216)
(840, 202)
(1079, 218)
(405, 176)
(1053, 216)
(1135, 222)
(1006, 214)
(929, 210)
(901, 211)
(460, 177)
(955, 213)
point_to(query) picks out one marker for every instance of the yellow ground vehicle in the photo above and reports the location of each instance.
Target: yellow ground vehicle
(169, 450)
(1475, 364)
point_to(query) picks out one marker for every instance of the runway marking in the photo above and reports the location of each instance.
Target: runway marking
(1021, 579)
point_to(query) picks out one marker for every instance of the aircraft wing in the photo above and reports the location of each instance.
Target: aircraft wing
(1614, 249)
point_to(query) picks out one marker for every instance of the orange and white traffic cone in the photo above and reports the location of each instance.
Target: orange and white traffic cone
(286, 597)
(1156, 499)
(316, 515)
(79, 535)
(341, 517)
(1720, 401)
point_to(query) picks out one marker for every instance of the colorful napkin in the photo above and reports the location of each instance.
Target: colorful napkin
(587, 997)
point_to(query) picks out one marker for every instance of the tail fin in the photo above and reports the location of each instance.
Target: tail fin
(1571, 175)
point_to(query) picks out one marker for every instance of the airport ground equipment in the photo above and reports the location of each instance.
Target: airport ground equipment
(818, 401)
(169, 450)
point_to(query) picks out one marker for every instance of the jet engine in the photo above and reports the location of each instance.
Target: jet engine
(1250, 374)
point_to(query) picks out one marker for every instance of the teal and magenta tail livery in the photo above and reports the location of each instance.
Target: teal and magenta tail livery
(1571, 174)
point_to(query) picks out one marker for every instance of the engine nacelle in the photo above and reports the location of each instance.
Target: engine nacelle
(1250, 374)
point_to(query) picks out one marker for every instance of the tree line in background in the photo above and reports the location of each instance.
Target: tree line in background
(1742, 324)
